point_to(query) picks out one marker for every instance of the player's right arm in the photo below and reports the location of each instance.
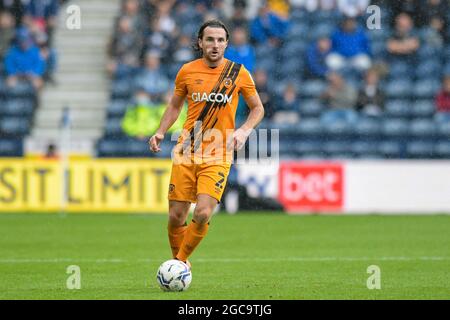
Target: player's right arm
(168, 119)
(173, 110)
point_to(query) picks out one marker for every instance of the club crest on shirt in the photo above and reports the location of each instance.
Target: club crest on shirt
(227, 83)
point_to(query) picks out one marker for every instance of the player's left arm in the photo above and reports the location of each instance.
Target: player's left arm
(255, 116)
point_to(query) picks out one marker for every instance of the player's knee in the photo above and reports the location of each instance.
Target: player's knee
(202, 214)
(177, 218)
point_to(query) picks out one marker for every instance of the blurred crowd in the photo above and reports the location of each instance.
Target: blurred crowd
(321, 46)
(26, 28)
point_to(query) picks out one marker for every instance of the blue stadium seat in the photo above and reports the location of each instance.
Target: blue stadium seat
(320, 30)
(293, 50)
(23, 89)
(292, 67)
(443, 130)
(442, 117)
(398, 109)
(398, 88)
(305, 147)
(364, 149)
(111, 147)
(312, 88)
(19, 107)
(368, 128)
(429, 69)
(391, 149)
(427, 52)
(339, 128)
(268, 64)
(118, 107)
(336, 147)
(113, 127)
(310, 108)
(422, 128)
(394, 128)
(423, 109)
(138, 148)
(426, 89)
(14, 126)
(420, 149)
(121, 89)
(442, 149)
(310, 128)
(11, 148)
(399, 69)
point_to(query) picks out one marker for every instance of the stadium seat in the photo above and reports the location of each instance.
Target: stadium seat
(430, 69)
(11, 148)
(310, 108)
(394, 128)
(398, 109)
(312, 88)
(121, 89)
(117, 107)
(443, 130)
(442, 117)
(420, 149)
(368, 128)
(391, 149)
(113, 127)
(111, 147)
(442, 149)
(310, 128)
(422, 128)
(398, 88)
(423, 109)
(305, 147)
(399, 69)
(363, 149)
(138, 148)
(19, 107)
(292, 50)
(336, 147)
(426, 89)
(14, 126)
(21, 90)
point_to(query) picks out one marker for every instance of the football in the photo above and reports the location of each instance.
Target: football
(174, 275)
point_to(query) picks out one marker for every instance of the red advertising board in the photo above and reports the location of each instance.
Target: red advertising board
(311, 187)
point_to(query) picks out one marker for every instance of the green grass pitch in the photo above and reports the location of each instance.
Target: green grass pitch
(245, 256)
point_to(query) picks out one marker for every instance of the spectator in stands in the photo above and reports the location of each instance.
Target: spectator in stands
(435, 33)
(159, 40)
(350, 47)
(23, 61)
(403, 43)
(142, 118)
(13, 7)
(371, 97)
(152, 78)
(443, 97)
(40, 15)
(316, 56)
(165, 21)
(124, 49)
(131, 10)
(353, 8)
(435, 9)
(287, 108)
(269, 28)
(51, 152)
(411, 7)
(7, 25)
(48, 54)
(260, 77)
(237, 15)
(183, 51)
(339, 94)
(240, 50)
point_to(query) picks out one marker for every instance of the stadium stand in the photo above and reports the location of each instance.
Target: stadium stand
(404, 115)
(405, 123)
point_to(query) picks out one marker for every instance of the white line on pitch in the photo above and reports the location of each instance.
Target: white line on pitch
(222, 260)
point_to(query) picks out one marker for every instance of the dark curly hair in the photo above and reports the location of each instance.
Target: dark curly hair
(213, 24)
